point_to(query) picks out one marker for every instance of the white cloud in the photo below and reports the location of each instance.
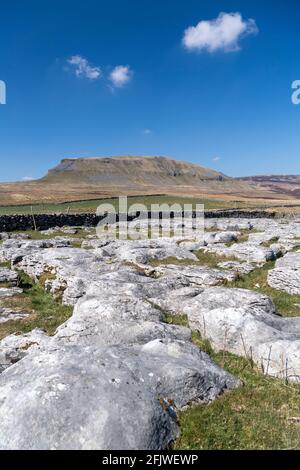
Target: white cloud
(120, 75)
(28, 178)
(147, 131)
(83, 68)
(221, 33)
(216, 159)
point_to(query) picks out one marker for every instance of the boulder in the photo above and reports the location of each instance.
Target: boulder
(9, 276)
(14, 347)
(88, 397)
(112, 365)
(245, 323)
(221, 237)
(286, 274)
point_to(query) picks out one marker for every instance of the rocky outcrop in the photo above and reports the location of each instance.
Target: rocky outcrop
(286, 274)
(14, 347)
(221, 237)
(246, 251)
(9, 291)
(7, 314)
(237, 267)
(112, 365)
(115, 362)
(245, 323)
(142, 251)
(8, 276)
(13, 250)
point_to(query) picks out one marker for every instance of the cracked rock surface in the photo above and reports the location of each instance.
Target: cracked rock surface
(9, 291)
(6, 314)
(115, 362)
(7, 275)
(286, 274)
(245, 322)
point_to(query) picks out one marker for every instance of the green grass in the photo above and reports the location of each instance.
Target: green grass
(45, 311)
(6, 284)
(170, 318)
(263, 413)
(286, 304)
(91, 205)
(5, 264)
(37, 235)
(270, 242)
(77, 244)
(210, 260)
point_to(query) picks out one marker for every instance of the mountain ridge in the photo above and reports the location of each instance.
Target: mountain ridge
(87, 178)
(280, 184)
(130, 170)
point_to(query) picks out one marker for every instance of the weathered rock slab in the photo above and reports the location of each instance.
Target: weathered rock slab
(7, 314)
(245, 322)
(7, 275)
(14, 347)
(10, 291)
(90, 398)
(286, 274)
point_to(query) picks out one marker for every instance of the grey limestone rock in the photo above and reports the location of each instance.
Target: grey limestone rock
(286, 274)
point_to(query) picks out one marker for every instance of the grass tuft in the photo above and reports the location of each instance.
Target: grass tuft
(286, 304)
(262, 414)
(45, 312)
(210, 260)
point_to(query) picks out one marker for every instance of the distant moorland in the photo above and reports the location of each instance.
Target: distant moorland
(80, 184)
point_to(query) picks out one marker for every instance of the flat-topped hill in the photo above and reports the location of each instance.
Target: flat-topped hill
(131, 171)
(79, 179)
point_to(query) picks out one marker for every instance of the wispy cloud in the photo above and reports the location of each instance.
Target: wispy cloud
(117, 78)
(120, 75)
(222, 33)
(216, 159)
(83, 69)
(27, 178)
(147, 131)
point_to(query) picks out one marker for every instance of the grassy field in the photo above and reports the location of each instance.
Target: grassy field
(91, 205)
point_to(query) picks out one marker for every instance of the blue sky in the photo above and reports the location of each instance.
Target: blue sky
(224, 105)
